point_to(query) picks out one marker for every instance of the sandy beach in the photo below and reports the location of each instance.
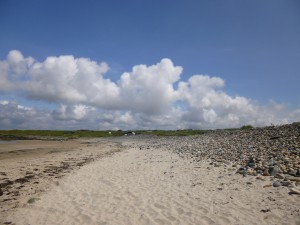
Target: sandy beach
(29, 168)
(140, 180)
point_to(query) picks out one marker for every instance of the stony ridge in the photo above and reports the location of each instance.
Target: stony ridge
(270, 151)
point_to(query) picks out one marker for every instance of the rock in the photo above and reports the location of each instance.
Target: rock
(292, 172)
(252, 165)
(259, 171)
(280, 176)
(296, 179)
(260, 178)
(265, 210)
(1, 192)
(286, 183)
(273, 170)
(251, 162)
(295, 191)
(242, 170)
(266, 173)
(276, 184)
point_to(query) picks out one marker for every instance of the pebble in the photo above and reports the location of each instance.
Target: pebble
(276, 184)
(286, 183)
(266, 173)
(296, 179)
(269, 151)
(274, 170)
(295, 191)
(280, 176)
(260, 178)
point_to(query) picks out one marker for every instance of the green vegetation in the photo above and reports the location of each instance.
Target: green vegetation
(175, 132)
(296, 124)
(31, 134)
(59, 134)
(247, 127)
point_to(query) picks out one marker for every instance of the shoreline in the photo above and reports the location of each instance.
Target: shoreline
(29, 168)
(223, 171)
(156, 186)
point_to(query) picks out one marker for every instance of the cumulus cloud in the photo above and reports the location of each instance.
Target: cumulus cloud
(71, 112)
(13, 70)
(147, 97)
(150, 89)
(15, 116)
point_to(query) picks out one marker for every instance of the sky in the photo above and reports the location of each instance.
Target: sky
(159, 64)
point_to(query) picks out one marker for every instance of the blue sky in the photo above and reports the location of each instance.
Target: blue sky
(253, 46)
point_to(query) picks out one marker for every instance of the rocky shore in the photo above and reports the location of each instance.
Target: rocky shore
(268, 153)
(248, 176)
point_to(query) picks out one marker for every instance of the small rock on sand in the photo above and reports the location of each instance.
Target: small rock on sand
(276, 184)
(295, 191)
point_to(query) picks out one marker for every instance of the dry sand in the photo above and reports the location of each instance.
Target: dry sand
(155, 186)
(29, 168)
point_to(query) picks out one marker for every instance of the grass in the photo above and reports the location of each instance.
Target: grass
(174, 132)
(296, 124)
(247, 127)
(29, 134)
(60, 134)
(56, 134)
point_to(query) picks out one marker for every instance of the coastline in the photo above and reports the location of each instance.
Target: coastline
(214, 178)
(29, 168)
(156, 186)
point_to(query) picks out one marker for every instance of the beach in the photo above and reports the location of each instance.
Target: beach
(153, 180)
(29, 168)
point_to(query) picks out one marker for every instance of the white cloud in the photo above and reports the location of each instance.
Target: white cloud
(71, 112)
(148, 97)
(15, 116)
(150, 89)
(68, 80)
(13, 69)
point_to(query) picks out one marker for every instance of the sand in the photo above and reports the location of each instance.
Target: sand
(156, 186)
(29, 168)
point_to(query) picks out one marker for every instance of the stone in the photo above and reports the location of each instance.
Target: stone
(280, 176)
(261, 178)
(259, 171)
(286, 183)
(251, 162)
(276, 184)
(273, 170)
(292, 172)
(295, 191)
(266, 173)
(296, 179)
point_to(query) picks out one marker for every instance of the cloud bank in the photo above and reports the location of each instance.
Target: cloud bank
(148, 97)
